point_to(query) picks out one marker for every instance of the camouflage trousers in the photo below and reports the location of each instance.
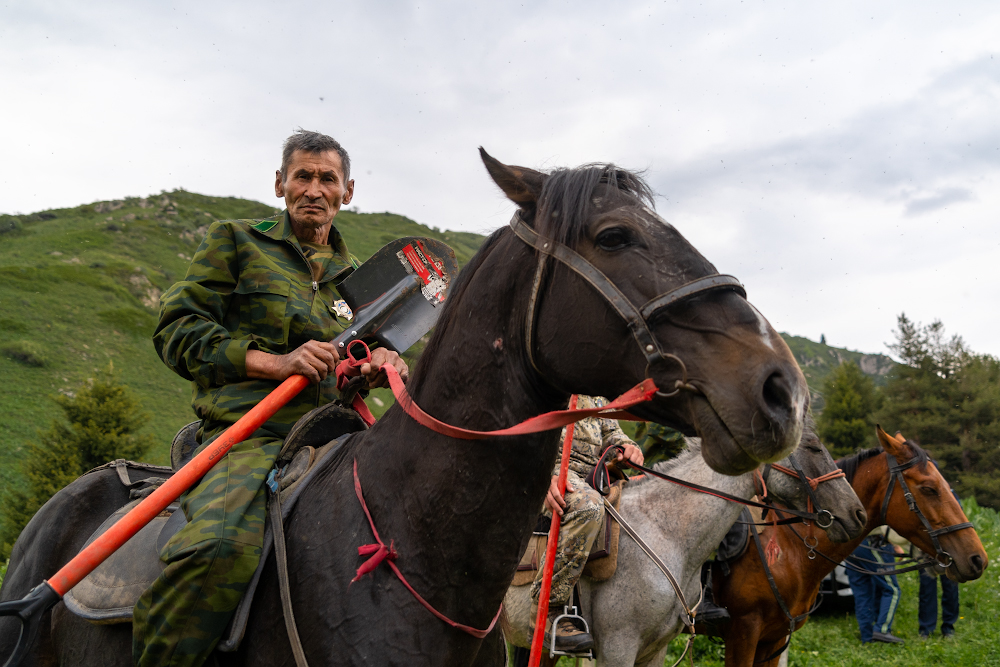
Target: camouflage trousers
(210, 562)
(581, 522)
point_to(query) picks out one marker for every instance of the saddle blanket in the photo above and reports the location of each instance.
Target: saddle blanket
(603, 559)
(108, 594)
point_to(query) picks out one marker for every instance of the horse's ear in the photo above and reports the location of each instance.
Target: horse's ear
(522, 186)
(894, 444)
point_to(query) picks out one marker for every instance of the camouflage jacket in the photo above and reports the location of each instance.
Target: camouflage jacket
(591, 437)
(249, 287)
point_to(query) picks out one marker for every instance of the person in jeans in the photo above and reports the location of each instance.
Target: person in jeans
(927, 612)
(876, 596)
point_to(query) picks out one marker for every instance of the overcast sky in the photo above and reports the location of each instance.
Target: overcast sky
(842, 159)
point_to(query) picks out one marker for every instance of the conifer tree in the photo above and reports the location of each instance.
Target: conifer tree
(846, 423)
(947, 398)
(100, 425)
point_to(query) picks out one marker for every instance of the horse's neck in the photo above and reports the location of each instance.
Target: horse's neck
(445, 500)
(675, 517)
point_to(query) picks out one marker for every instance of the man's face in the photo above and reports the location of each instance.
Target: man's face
(314, 188)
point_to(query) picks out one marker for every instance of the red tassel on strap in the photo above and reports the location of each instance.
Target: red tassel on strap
(772, 551)
(382, 554)
(378, 553)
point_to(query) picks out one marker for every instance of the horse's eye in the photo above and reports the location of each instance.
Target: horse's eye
(614, 239)
(929, 491)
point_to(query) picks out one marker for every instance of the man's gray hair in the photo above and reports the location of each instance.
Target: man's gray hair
(313, 142)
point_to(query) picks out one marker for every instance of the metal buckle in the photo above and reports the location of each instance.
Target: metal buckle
(819, 519)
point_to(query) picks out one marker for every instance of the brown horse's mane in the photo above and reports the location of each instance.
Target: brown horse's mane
(850, 464)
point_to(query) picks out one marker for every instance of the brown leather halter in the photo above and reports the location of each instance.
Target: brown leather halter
(942, 557)
(637, 318)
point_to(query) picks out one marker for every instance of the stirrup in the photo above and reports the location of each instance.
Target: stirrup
(570, 614)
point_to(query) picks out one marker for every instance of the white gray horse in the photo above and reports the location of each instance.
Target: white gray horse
(636, 613)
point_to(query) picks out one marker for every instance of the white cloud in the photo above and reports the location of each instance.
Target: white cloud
(841, 159)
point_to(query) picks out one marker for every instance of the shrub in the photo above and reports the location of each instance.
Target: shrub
(26, 352)
(10, 224)
(100, 425)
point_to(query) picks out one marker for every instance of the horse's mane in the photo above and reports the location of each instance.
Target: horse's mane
(850, 464)
(566, 200)
(564, 205)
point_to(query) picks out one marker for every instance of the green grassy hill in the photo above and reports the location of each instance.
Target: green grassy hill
(79, 288)
(817, 361)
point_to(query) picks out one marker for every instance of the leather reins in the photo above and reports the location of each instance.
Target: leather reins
(637, 318)
(942, 557)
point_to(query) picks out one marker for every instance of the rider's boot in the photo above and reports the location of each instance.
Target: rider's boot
(708, 611)
(569, 637)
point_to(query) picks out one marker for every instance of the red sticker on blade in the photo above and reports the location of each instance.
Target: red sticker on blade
(429, 260)
(413, 258)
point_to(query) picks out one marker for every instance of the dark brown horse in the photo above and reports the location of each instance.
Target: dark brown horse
(759, 627)
(458, 511)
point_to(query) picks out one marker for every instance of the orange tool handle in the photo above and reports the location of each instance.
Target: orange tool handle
(87, 560)
(550, 549)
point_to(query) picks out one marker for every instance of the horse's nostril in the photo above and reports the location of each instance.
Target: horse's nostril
(777, 394)
(977, 562)
(862, 516)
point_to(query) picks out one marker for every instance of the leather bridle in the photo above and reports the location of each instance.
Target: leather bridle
(824, 518)
(942, 557)
(637, 318)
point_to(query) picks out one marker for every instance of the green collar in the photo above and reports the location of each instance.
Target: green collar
(279, 228)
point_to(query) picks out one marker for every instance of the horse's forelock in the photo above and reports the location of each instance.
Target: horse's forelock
(567, 198)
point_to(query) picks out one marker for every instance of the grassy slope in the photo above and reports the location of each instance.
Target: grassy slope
(72, 288)
(818, 360)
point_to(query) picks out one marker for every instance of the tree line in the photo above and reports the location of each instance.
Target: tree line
(942, 395)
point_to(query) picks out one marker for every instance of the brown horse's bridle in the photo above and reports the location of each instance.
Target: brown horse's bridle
(637, 319)
(942, 557)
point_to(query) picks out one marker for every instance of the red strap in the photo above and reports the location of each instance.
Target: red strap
(351, 367)
(640, 393)
(616, 409)
(380, 553)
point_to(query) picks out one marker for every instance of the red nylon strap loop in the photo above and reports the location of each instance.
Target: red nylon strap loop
(388, 555)
(640, 393)
(349, 368)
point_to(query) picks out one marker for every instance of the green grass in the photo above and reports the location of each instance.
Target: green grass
(79, 289)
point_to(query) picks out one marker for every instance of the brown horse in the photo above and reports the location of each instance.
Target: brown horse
(590, 292)
(759, 627)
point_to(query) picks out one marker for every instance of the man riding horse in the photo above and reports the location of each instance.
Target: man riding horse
(581, 510)
(259, 303)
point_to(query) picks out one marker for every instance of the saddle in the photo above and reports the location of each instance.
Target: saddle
(603, 559)
(735, 542)
(108, 594)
